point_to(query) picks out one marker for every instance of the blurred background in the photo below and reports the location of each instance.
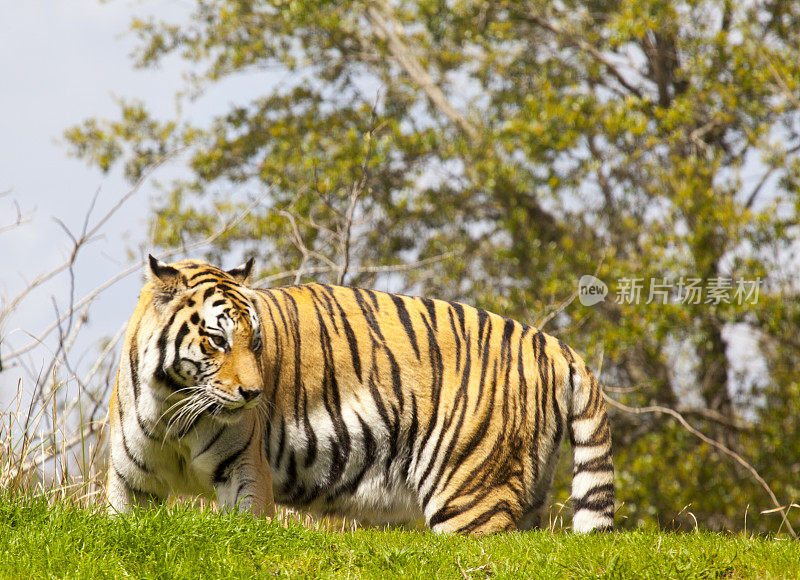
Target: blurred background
(488, 152)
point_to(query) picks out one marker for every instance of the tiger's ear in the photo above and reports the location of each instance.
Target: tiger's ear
(168, 278)
(242, 273)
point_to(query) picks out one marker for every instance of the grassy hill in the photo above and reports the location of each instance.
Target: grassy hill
(39, 540)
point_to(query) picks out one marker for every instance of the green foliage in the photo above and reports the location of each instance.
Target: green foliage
(179, 542)
(530, 143)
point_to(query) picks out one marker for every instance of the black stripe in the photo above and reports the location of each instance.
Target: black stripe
(411, 437)
(405, 320)
(351, 341)
(133, 362)
(145, 429)
(160, 373)
(570, 410)
(379, 404)
(474, 480)
(281, 443)
(132, 487)
(219, 473)
(475, 523)
(266, 442)
(430, 306)
(397, 386)
(448, 512)
(211, 442)
(462, 400)
(523, 382)
(505, 362)
(348, 331)
(228, 289)
(276, 370)
(204, 271)
(394, 443)
(508, 331)
(136, 461)
(459, 308)
(484, 348)
(290, 487)
(541, 357)
(456, 338)
(323, 298)
(369, 315)
(483, 317)
(340, 447)
(598, 437)
(183, 331)
(478, 435)
(311, 437)
(597, 465)
(350, 487)
(437, 372)
(603, 497)
(373, 297)
(209, 279)
(556, 407)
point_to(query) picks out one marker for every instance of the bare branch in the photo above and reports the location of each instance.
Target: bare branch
(764, 178)
(578, 42)
(224, 228)
(345, 237)
(716, 417)
(267, 280)
(390, 29)
(708, 440)
(297, 240)
(87, 235)
(20, 218)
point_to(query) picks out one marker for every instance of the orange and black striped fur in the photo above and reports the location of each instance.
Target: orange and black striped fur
(361, 403)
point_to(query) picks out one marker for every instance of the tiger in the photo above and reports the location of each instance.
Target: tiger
(352, 402)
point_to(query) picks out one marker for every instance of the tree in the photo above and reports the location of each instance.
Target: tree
(526, 144)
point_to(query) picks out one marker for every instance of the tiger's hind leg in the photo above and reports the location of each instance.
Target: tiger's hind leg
(533, 516)
(485, 511)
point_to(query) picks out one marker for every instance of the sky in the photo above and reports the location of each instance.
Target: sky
(62, 61)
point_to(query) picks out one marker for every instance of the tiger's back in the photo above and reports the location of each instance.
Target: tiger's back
(339, 400)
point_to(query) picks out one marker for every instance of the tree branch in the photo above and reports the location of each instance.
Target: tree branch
(389, 28)
(714, 443)
(586, 47)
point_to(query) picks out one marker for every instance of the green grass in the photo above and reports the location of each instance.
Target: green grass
(37, 540)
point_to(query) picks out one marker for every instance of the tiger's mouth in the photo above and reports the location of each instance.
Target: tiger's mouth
(211, 401)
(235, 407)
(227, 409)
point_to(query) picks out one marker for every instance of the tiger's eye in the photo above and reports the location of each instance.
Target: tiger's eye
(218, 341)
(256, 344)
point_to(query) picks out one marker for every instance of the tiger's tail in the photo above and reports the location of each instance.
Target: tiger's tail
(593, 470)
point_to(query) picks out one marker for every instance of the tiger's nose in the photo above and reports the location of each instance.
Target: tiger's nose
(249, 394)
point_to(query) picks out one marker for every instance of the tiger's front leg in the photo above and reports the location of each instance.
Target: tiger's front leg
(243, 482)
(122, 496)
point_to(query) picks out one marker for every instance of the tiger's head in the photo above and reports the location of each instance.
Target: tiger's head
(207, 339)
